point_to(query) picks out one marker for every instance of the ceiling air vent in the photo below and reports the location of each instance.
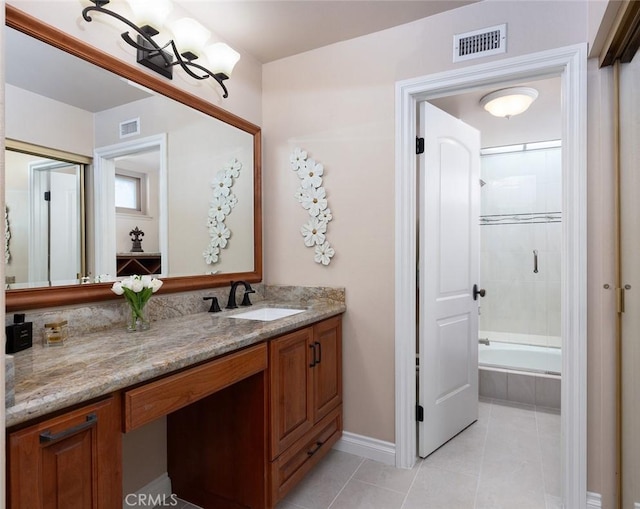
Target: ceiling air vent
(129, 128)
(480, 43)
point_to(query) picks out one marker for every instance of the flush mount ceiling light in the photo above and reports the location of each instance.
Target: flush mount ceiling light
(187, 33)
(509, 101)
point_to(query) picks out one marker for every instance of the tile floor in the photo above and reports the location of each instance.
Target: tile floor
(508, 459)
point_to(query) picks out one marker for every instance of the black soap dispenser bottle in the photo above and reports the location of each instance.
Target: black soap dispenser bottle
(19, 335)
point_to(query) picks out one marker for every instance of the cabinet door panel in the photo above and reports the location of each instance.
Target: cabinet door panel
(291, 389)
(68, 472)
(327, 373)
(68, 462)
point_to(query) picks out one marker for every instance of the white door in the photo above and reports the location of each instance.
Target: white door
(54, 236)
(449, 173)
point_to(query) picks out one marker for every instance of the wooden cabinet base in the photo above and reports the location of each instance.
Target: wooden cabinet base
(217, 448)
(291, 466)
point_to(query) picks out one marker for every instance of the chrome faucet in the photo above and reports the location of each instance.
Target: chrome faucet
(231, 304)
(483, 341)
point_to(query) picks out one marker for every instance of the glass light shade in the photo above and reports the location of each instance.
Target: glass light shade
(150, 12)
(221, 58)
(189, 35)
(509, 101)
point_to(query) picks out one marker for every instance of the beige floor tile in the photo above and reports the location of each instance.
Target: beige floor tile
(434, 488)
(287, 505)
(498, 498)
(360, 495)
(462, 454)
(321, 486)
(385, 476)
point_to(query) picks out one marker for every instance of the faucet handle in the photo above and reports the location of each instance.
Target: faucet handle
(215, 307)
(245, 297)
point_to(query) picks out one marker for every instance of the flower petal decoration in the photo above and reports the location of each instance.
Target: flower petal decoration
(325, 215)
(310, 174)
(211, 254)
(323, 253)
(232, 168)
(301, 194)
(219, 209)
(313, 197)
(219, 235)
(221, 185)
(297, 158)
(313, 232)
(314, 201)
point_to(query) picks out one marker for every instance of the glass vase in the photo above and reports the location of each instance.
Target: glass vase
(138, 319)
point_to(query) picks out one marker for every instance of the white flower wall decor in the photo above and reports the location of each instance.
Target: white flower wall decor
(7, 236)
(220, 207)
(313, 198)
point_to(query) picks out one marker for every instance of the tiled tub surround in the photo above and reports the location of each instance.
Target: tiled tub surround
(100, 360)
(526, 388)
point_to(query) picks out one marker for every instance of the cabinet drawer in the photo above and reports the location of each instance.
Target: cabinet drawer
(293, 464)
(155, 399)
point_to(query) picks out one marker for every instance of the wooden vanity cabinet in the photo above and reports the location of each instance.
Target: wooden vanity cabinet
(305, 369)
(72, 461)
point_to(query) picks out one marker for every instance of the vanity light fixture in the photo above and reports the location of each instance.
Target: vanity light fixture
(509, 101)
(187, 32)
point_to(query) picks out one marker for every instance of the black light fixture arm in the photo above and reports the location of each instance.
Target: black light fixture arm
(188, 61)
(151, 54)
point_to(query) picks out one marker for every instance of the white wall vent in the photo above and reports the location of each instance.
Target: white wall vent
(130, 127)
(480, 43)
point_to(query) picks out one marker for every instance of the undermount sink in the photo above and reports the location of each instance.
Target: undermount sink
(267, 314)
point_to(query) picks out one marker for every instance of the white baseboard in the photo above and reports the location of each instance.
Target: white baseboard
(367, 447)
(150, 495)
(594, 500)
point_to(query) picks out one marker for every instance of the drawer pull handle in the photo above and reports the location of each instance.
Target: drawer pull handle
(316, 449)
(319, 359)
(313, 356)
(46, 436)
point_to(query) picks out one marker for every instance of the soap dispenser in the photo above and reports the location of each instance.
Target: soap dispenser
(19, 334)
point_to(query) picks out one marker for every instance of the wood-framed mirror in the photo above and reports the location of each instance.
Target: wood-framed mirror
(179, 279)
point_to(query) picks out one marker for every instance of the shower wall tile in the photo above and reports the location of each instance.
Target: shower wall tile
(518, 300)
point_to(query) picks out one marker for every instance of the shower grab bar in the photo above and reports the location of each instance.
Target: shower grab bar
(535, 261)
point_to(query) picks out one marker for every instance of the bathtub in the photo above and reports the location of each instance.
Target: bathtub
(533, 359)
(520, 373)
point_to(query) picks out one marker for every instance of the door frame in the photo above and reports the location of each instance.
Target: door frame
(570, 63)
(104, 172)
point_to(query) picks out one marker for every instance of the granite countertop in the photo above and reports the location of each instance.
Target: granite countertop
(88, 366)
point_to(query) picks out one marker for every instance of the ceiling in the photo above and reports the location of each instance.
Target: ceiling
(61, 71)
(273, 29)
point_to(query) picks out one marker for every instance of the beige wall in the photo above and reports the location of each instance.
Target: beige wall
(337, 103)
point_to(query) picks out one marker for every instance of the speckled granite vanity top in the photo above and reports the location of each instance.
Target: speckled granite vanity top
(98, 363)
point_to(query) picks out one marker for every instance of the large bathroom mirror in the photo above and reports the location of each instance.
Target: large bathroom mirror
(148, 155)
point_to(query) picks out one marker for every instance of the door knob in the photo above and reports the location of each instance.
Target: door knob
(482, 292)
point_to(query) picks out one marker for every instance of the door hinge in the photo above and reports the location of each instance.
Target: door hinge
(47, 196)
(419, 145)
(619, 300)
(419, 413)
